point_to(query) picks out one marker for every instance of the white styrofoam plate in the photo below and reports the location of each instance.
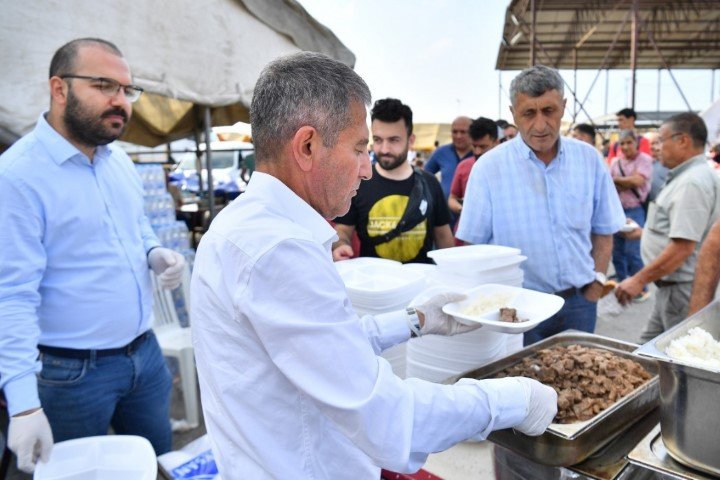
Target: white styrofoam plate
(629, 227)
(474, 257)
(111, 457)
(534, 306)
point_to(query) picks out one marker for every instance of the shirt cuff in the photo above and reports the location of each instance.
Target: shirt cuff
(22, 394)
(508, 403)
(393, 328)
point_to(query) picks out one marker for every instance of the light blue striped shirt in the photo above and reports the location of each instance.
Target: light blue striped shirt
(513, 199)
(73, 261)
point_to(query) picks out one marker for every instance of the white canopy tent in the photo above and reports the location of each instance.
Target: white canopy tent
(185, 54)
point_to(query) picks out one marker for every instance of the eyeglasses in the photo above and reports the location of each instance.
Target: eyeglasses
(110, 87)
(661, 139)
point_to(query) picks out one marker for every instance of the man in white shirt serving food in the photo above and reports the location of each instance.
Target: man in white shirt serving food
(291, 378)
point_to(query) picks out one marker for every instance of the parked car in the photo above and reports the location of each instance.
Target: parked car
(227, 160)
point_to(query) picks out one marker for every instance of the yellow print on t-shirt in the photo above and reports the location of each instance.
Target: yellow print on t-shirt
(383, 217)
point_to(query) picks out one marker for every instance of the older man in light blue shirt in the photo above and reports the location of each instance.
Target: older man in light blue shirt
(551, 197)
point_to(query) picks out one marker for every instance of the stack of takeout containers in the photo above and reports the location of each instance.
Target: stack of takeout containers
(376, 285)
(436, 358)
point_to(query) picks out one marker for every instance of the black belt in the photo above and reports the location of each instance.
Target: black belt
(85, 354)
(668, 283)
(568, 292)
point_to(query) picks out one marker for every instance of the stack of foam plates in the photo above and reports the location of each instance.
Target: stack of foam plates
(376, 285)
(436, 358)
(473, 265)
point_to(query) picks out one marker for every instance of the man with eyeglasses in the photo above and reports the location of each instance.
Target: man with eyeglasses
(77, 354)
(678, 222)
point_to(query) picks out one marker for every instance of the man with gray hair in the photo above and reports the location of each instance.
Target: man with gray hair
(549, 196)
(292, 384)
(678, 222)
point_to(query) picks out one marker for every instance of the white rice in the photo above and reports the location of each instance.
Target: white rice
(697, 348)
(488, 303)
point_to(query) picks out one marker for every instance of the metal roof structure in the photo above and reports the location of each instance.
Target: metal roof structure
(611, 34)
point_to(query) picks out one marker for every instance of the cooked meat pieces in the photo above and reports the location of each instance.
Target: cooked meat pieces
(510, 315)
(587, 380)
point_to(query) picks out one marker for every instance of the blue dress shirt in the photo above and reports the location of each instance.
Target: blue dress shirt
(549, 212)
(73, 262)
(445, 160)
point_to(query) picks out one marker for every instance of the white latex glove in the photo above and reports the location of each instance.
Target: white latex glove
(168, 265)
(430, 303)
(30, 437)
(542, 407)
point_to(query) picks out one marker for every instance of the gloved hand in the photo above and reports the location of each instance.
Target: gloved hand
(168, 265)
(30, 437)
(542, 407)
(429, 303)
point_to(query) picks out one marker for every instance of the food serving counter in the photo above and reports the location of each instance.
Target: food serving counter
(564, 445)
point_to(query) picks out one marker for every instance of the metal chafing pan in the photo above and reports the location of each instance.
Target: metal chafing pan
(569, 444)
(689, 397)
(651, 454)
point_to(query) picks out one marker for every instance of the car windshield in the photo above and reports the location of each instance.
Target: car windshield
(220, 159)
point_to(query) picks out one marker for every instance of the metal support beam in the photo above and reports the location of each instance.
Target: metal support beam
(532, 33)
(499, 94)
(658, 90)
(633, 51)
(664, 62)
(712, 87)
(208, 163)
(575, 100)
(604, 64)
(607, 84)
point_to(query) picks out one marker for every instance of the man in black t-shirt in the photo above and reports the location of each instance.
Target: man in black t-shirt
(381, 202)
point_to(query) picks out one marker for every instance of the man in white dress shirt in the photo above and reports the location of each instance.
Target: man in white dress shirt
(291, 381)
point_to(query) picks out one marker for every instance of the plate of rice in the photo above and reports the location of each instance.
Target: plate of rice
(503, 308)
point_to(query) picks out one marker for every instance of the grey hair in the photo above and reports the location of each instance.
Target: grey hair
(535, 81)
(627, 134)
(303, 89)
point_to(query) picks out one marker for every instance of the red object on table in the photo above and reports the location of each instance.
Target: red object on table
(420, 475)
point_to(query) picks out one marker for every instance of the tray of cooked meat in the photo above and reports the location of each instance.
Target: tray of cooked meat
(602, 390)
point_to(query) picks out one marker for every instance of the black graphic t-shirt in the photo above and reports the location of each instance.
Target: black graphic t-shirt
(378, 207)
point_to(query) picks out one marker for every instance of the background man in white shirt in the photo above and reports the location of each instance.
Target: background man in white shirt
(291, 381)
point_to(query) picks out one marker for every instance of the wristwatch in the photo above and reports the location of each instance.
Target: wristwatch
(600, 278)
(413, 322)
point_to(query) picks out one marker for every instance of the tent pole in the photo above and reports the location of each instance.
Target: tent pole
(208, 161)
(658, 91)
(532, 33)
(499, 94)
(712, 87)
(607, 84)
(633, 50)
(198, 153)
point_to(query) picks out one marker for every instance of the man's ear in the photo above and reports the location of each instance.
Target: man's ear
(305, 146)
(411, 141)
(58, 90)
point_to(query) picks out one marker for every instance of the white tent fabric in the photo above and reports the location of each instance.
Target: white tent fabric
(195, 52)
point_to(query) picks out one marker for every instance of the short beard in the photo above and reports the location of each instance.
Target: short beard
(87, 130)
(397, 160)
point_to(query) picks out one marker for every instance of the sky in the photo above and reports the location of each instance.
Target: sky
(438, 57)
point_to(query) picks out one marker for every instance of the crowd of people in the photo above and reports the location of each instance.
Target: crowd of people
(644, 203)
(291, 379)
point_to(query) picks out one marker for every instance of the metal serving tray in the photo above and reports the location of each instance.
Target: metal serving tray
(563, 445)
(651, 454)
(689, 397)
